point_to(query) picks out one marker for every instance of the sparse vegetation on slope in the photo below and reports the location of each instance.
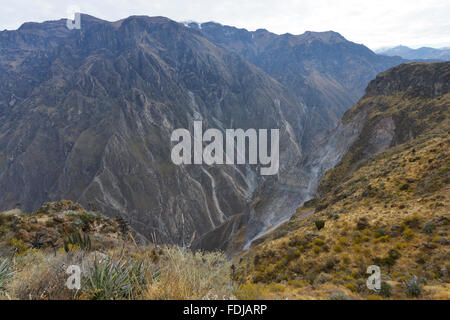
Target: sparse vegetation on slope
(403, 230)
(112, 265)
(385, 204)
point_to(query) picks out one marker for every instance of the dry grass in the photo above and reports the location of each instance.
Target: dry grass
(167, 273)
(312, 263)
(113, 266)
(192, 275)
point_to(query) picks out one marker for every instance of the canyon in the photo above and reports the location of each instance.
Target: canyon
(87, 115)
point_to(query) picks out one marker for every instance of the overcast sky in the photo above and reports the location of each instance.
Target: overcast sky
(375, 23)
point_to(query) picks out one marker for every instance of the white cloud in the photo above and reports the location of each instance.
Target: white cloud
(373, 23)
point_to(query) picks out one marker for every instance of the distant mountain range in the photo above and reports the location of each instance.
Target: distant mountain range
(326, 70)
(424, 53)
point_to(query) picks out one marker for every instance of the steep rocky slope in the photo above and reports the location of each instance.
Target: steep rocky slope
(88, 114)
(386, 202)
(324, 69)
(328, 73)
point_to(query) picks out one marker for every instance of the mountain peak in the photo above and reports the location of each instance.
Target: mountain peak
(422, 53)
(415, 79)
(325, 36)
(148, 19)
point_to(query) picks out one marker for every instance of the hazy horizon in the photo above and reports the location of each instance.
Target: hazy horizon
(376, 24)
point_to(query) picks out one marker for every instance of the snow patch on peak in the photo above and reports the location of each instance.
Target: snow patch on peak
(191, 23)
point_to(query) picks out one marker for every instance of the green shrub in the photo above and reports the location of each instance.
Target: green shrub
(382, 239)
(413, 221)
(20, 247)
(394, 254)
(412, 287)
(390, 260)
(408, 233)
(319, 224)
(333, 215)
(79, 239)
(2, 231)
(385, 290)
(428, 227)
(380, 233)
(350, 286)
(6, 272)
(319, 241)
(330, 263)
(346, 259)
(362, 223)
(338, 296)
(83, 220)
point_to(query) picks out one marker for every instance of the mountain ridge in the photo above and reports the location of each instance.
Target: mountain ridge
(314, 65)
(424, 53)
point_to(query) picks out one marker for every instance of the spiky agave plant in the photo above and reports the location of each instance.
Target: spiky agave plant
(78, 238)
(6, 272)
(110, 279)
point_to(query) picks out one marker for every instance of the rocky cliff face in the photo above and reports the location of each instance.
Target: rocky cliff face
(405, 102)
(90, 116)
(328, 72)
(386, 202)
(87, 115)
